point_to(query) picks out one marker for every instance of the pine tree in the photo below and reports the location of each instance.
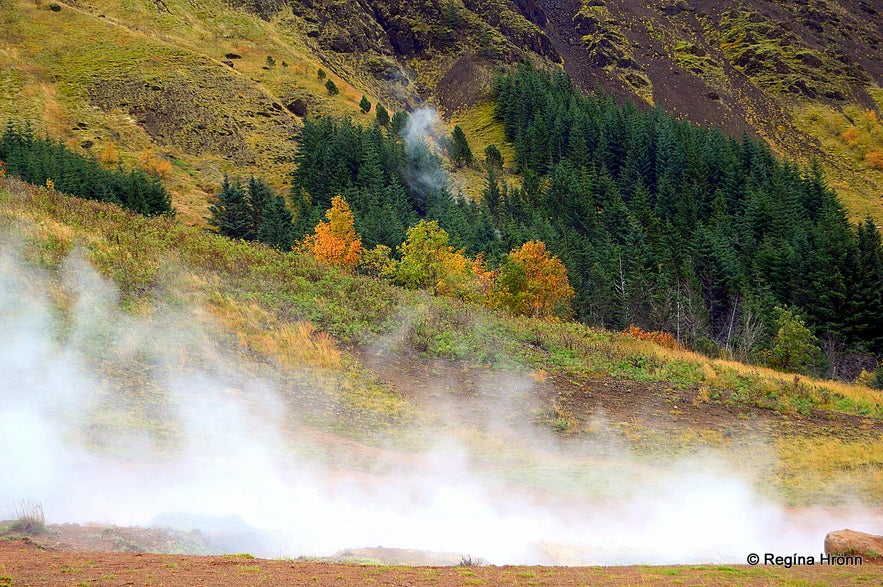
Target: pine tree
(865, 313)
(259, 197)
(381, 114)
(493, 158)
(459, 151)
(230, 215)
(364, 105)
(399, 122)
(276, 226)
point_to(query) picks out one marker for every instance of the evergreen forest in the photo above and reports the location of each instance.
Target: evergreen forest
(43, 161)
(661, 224)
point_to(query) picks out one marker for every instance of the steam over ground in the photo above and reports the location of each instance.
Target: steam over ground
(72, 441)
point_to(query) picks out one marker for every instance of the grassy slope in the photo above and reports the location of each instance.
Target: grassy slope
(153, 85)
(308, 327)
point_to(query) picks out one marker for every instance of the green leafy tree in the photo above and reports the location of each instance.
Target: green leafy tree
(534, 283)
(320, 73)
(332, 88)
(459, 151)
(794, 347)
(422, 255)
(364, 105)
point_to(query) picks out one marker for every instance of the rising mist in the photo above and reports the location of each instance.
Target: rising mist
(215, 450)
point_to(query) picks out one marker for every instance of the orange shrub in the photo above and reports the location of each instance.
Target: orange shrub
(109, 155)
(850, 136)
(874, 159)
(156, 164)
(663, 339)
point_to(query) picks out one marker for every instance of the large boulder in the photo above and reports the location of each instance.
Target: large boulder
(869, 546)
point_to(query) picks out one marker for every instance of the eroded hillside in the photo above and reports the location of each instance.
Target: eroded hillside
(197, 89)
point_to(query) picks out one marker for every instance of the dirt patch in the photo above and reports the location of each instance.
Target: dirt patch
(466, 83)
(25, 564)
(484, 395)
(102, 538)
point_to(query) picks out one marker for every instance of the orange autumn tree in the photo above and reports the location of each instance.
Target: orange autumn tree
(532, 282)
(335, 242)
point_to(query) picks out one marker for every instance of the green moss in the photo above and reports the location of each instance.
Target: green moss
(776, 59)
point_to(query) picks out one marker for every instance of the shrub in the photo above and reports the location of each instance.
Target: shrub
(874, 159)
(664, 339)
(29, 518)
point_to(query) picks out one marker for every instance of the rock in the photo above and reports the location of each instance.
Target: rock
(869, 546)
(297, 107)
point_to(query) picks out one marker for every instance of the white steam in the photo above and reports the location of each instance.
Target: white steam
(424, 138)
(237, 475)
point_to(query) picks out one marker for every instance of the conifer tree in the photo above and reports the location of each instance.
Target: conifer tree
(381, 114)
(364, 105)
(259, 197)
(276, 226)
(459, 151)
(493, 158)
(230, 214)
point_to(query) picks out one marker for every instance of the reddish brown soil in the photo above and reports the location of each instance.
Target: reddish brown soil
(25, 564)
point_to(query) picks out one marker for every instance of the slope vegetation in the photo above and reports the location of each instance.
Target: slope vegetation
(199, 90)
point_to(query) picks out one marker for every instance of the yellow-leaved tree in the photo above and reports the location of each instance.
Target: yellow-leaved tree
(532, 282)
(335, 241)
(429, 262)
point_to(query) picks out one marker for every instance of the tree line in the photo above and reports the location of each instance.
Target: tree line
(660, 224)
(674, 227)
(42, 161)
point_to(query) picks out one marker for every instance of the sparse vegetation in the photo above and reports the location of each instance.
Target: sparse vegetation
(29, 519)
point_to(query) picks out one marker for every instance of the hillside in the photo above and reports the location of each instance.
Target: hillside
(160, 375)
(199, 90)
(308, 391)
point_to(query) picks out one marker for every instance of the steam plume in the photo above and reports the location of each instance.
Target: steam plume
(241, 473)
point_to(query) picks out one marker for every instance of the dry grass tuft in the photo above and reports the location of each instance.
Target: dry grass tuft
(290, 344)
(30, 519)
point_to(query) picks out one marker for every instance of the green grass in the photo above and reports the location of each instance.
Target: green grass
(292, 321)
(857, 183)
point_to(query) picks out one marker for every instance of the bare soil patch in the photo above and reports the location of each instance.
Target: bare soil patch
(25, 564)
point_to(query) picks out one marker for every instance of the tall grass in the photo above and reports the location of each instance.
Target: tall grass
(29, 518)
